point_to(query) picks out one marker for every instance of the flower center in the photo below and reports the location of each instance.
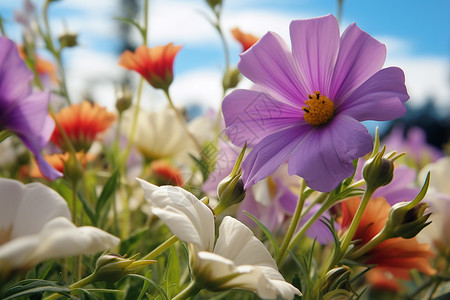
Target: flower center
(318, 110)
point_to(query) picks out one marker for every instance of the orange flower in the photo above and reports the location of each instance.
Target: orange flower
(57, 161)
(81, 122)
(154, 64)
(166, 174)
(246, 39)
(397, 256)
(43, 67)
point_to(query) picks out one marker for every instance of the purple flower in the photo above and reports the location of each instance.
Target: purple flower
(23, 111)
(306, 106)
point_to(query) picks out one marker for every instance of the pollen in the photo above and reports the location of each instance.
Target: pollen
(318, 110)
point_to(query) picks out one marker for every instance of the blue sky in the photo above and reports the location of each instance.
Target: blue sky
(417, 35)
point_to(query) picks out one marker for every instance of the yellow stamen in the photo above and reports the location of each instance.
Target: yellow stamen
(318, 110)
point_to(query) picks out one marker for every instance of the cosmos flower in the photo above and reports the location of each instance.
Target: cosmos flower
(82, 123)
(237, 260)
(35, 226)
(154, 64)
(306, 105)
(396, 255)
(23, 111)
(245, 39)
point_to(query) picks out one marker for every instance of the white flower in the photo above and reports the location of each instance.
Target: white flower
(238, 260)
(160, 134)
(35, 226)
(438, 198)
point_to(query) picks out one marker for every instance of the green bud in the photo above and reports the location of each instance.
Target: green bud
(124, 98)
(68, 40)
(73, 169)
(407, 219)
(231, 189)
(112, 267)
(214, 3)
(231, 78)
(379, 169)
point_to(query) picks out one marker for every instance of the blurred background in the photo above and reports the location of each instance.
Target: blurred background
(416, 33)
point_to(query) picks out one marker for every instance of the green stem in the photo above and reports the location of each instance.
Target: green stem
(133, 125)
(161, 248)
(191, 290)
(376, 240)
(356, 219)
(2, 29)
(339, 11)
(85, 281)
(57, 53)
(326, 205)
(183, 123)
(4, 134)
(293, 226)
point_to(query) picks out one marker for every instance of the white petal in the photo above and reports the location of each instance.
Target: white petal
(222, 274)
(58, 238)
(273, 282)
(237, 243)
(26, 208)
(186, 216)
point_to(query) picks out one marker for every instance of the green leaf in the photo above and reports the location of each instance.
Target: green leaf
(129, 245)
(35, 286)
(161, 291)
(133, 23)
(146, 284)
(87, 209)
(266, 232)
(172, 273)
(105, 195)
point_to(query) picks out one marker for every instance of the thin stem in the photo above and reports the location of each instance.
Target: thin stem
(326, 205)
(54, 51)
(4, 134)
(380, 237)
(356, 219)
(85, 281)
(133, 125)
(161, 248)
(191, 290)
(2, 29)
(74, 203)
(339, 11)
(183, 124)
(293, 226)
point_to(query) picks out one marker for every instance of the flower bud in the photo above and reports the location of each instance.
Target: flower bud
(231, 78)
(73, 170)
(68, 39)
(231, 189)
(214, 3)
(124, 98)
(407, 219)
(379, 170)
(112, 267)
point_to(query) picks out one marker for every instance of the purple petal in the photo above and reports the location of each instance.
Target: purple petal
(380, 98)
(315, 45)
(324, 157)
(269, 63)
(29, 119)
(360, 56)
(273, 150)
(46, 169)
(250, 116)
(14, 76)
